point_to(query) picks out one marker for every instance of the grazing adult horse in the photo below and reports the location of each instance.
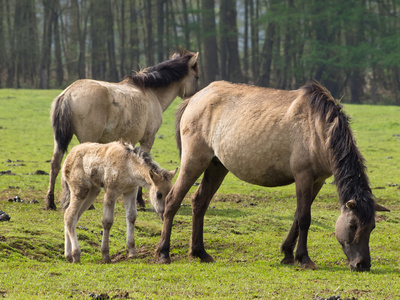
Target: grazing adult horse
(98, 111)
(272, 138)
(118, 168)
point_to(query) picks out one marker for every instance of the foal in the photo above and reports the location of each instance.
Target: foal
(119, 169)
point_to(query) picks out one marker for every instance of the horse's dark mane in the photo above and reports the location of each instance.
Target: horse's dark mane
(164, 73)
(145, 157)
(348, 163)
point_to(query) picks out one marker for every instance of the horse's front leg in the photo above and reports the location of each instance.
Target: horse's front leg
(306, 191)
(172, 204)
(108, 220)
(131, 213)
(213, 177)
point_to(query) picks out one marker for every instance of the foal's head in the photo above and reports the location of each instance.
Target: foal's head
(160, 187)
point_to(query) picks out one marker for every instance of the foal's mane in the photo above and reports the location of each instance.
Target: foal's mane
(145, 158)
(164, 73)
(348, 163)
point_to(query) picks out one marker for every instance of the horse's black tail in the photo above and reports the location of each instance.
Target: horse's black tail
(61, 120)
(65, 194)
(178, 118)
(348, 164)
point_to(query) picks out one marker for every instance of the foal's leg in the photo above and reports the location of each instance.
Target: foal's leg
(91, 197)
(108, 220)
(131, 213)
(213, 177)
(71, 217)
(306, 192)
(55, 167)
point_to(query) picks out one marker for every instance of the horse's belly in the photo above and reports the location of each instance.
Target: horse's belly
(264, 173)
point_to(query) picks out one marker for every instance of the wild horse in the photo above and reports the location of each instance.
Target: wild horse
(98, 111)
(272, 138)
(118, 168)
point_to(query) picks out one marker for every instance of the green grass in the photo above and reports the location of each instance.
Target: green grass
(244, 226)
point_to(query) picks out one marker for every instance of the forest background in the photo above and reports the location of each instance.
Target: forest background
(351, 46)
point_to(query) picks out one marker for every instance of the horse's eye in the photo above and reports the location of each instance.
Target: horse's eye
(159, 196)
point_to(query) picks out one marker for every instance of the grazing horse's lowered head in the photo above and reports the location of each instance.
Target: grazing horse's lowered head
(353, 234)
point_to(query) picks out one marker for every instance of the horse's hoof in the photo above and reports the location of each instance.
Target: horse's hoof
(51, 206)
(309, 266)
(287, 261)
(133, 255)
(207, 259)
(164, 261)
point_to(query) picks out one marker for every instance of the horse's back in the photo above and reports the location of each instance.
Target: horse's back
(263, 136)
(104, 112)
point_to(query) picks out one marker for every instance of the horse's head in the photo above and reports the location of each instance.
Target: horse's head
(160, 187)
(190, 83)
(354, 236)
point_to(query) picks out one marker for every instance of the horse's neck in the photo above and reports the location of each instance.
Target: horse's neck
(166, 95)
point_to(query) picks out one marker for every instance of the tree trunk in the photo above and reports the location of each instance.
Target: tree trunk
(57, 46)
(149, 33)
(46, 44)
(160, 30)
(133, 36)
(112, 61)
(209, 41)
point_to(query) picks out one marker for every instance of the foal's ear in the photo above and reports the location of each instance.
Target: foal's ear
(155, 177)
(173, 173)
(379, 207)
(193, 60)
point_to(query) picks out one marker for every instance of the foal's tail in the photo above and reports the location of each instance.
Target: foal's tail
(178, 118)
(61, 120)
(65, 194)
(348, 164)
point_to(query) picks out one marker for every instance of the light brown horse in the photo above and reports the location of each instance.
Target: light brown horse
(118, 168)
(272, 138)
(98, 111)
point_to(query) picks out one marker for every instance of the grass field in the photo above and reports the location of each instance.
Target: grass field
(244, 226)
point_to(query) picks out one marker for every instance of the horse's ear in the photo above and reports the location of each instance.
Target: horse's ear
(379, 207)
(175, 55)
(351, 204)
(155, 177)
(173, 173)
(193, 60)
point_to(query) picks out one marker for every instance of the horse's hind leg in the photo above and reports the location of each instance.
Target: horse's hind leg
(55, 167)
(131, 213)
(213, 177)
(306, 193)
(108, 220)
